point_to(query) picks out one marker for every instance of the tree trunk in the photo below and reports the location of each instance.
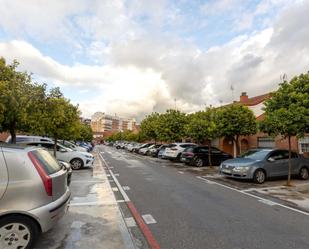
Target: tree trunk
(290, 163)
(237, 145)
(209, 155)
(13, 136)
(55, 147)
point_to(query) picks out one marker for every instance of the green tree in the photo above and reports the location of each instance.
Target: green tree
(171, 126)
(202, 126)
(84, 132)
(234, 121)
(287, 112)
(18, 98)
(59, 117)
(149, 126)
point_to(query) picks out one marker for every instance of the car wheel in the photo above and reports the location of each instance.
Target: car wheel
(199, 162)
(18, 232)
(304, 173)
(77, 163)
(259, 176)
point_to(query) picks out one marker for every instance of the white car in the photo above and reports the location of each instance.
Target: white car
(173, 152)
(77, 159)
(26, 139)
(72, 146)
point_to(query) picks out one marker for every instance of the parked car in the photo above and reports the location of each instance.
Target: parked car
(77, 159)
(261, 164)
(161, 150)
(173, 152)
(198, 156)
(26, 138)
(154, 150)
(143, 148)
(72, 146)
(34, 194)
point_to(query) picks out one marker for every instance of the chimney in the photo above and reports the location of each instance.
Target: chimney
(243, 97)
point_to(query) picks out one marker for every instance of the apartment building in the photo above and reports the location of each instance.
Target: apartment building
(102, 123)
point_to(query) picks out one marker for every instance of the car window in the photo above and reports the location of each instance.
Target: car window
(294, 155)
(202, 150)
(49, 163)
(190, 149)
(47, 146)
(215, 151)
(186, 145)
(255, 154)
(279, 155)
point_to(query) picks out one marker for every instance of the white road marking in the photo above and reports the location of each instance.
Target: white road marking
(253, 196)
(149, 219)
(116, 174)
(125, 196)
(130, 222)
(85, 181)
(181, 172)
(126, 188)
(115, 189)
(108, 175)
(120, 200)
(268, 202)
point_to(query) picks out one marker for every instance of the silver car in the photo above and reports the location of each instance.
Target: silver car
(34, 194)
(261, 164)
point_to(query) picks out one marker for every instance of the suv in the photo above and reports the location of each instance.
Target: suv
(34, 194)
(77, 159)
(173, 152)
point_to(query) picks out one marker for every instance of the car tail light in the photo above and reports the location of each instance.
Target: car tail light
(47, 181)
(188, 154)
(173, 148)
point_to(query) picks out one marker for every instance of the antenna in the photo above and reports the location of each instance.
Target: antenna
(232, 90)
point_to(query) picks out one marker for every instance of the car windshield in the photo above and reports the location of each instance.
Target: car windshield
(255, 154)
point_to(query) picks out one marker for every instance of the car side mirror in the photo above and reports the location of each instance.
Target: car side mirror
(271, 159)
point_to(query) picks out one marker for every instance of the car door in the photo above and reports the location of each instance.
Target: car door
(277, 163)
(3, 174)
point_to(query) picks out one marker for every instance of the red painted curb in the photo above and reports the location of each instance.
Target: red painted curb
(146, 231)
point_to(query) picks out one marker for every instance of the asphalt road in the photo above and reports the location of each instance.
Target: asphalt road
(193, 214)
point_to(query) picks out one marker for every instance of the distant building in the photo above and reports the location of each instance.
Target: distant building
(103, 124)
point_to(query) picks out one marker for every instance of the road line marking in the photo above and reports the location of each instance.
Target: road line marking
(130, 222)
(267, 202)
(125, 196)
(149, 219)
(181, 172)
(116, 174)
(120, 200)
(253, 196)
(126, 188)
(85, 181)
(115, 189)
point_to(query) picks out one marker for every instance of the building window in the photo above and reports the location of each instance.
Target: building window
(265, 142)
(303, 145)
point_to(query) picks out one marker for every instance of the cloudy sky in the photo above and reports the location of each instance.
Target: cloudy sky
(132, 57)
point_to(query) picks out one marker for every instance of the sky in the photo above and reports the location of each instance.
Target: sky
(133, 57)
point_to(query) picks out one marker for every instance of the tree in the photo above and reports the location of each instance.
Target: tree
(287, 112)
(18, 96)
(84, 132)
(149, 126)
(202, 126)
(59, 118)
(171, 126)
(234, 121)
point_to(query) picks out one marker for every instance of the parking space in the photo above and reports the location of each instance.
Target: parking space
(93, 219)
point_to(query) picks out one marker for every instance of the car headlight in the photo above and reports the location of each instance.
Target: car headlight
(241, 169)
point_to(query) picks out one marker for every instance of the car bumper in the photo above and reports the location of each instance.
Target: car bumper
(48, 215)
(89, 162)
(238, 175)
(186, 160)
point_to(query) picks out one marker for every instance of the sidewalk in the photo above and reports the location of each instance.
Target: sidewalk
(94, 220)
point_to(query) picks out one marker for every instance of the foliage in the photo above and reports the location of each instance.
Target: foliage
(150, 125)
(287, 111)
(171, 126)
(234, 121)
(18, 97)
(84, 133)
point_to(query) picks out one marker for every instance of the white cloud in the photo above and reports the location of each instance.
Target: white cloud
(137, 74)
